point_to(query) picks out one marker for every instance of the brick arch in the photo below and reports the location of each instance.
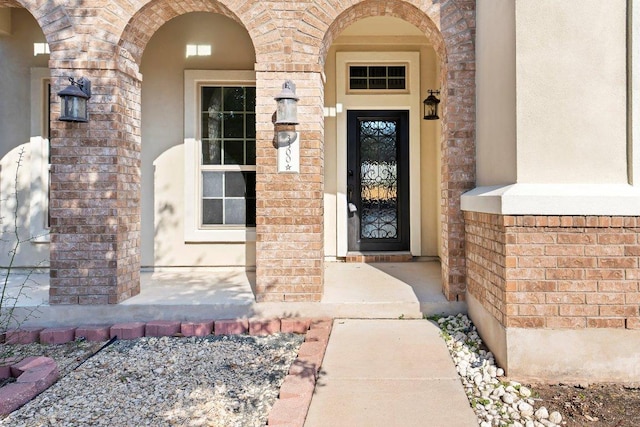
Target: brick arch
(52, 18)
(423, 17)
(149, 18)
(449, 25)
(146, 21)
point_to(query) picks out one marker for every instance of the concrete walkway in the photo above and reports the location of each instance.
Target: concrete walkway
(388, 373)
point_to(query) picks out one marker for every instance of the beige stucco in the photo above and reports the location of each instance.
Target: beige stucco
(496, 97)
(633, 56)
(375, 39)
(163, 174)
(554, 134)
(16, 132)
(5, 21)
(571, 91)
(551, 92)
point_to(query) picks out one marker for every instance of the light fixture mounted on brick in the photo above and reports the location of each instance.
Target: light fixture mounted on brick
(286, 135)
(431, 105)
(73, 98)
(287, 113)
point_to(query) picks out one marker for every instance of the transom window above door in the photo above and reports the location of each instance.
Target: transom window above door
(377, 78)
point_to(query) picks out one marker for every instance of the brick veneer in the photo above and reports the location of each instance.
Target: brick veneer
(95, 250)
(95, 194)
(555, 272)
(289, 207)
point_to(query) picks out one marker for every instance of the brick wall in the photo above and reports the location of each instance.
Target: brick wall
(555, 271)
(95, 194)
(458, 135)
(290, 235)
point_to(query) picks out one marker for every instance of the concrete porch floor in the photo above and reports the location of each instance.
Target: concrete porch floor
(352, 290)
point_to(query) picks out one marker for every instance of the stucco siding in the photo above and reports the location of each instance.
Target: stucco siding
(571, 91)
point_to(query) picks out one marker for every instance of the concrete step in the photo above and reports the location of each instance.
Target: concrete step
(369, 257)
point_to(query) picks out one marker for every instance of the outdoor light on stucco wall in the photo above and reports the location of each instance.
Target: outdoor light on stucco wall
(73, 99)
(287, 138)
(431, 105)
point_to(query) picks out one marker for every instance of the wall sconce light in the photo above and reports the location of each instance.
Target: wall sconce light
(287, 118)
(73, 100)
(431, 105)
(287, 113)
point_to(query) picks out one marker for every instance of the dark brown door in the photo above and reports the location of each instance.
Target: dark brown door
(378, 180)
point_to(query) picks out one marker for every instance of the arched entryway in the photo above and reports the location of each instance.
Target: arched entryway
(97, 212)
(376, 71)
(96, 232)
(24, 140)
(194, 80)
(447, 29)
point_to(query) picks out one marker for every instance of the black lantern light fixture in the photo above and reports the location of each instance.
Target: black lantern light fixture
(431, 105)
(73, 99)
(287, 112)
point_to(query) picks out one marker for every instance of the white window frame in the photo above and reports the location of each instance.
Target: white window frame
(39, 151)
(193, 231)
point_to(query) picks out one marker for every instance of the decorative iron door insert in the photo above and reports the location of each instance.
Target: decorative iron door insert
(378, 180)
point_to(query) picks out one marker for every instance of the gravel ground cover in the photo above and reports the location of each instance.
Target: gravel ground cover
(496, 402)
(500, 402)
(212, 381)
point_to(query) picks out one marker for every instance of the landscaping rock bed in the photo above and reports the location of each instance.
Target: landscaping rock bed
(213, 380)
(495, 401)
(500, 402)
(226, 381)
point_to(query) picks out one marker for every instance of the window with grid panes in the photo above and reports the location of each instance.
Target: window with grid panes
(228, 156)
(377, 77)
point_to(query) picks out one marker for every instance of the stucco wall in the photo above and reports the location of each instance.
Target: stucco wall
(496, 97)
(551, 92)
(5, 21)
(571, 91)
(163, 65)
(17, 59)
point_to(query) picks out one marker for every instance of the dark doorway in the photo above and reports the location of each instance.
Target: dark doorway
(378, 180)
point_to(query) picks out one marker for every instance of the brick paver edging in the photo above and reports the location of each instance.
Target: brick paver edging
(36, 374)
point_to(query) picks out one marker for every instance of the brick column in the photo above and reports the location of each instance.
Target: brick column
(457, 25)
(95, 193)
(289, 247)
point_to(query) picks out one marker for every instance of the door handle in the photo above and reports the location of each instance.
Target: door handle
(350, 205)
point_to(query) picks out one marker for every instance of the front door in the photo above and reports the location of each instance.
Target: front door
(378, 180)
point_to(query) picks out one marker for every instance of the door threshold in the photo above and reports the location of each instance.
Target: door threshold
(379, 256)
